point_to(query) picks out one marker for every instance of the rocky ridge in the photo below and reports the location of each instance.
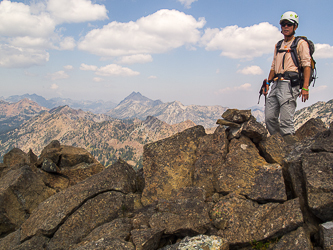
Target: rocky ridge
(13, 115)
(233, 189)
(97, 107)
(105, 137)
(321, 110)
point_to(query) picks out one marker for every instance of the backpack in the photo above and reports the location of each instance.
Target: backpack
(293, 51)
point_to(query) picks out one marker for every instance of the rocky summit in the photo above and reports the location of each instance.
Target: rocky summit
(236, 188)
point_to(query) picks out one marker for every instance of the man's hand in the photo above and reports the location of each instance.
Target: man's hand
(305, 95)
(305, 90)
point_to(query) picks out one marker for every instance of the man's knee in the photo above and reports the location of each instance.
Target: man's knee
(271, 118)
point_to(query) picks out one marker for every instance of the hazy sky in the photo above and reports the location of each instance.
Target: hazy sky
(204, 52)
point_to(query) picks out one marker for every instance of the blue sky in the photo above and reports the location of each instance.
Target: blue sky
(204, 52)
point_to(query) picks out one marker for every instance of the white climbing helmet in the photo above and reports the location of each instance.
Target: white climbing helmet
(290, 16)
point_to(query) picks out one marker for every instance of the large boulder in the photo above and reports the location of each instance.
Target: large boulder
(211, 152)
(273, 149)
(310, 128)
(254, 130)
(323, 141)
(169, 164)
(309, 171)
(65, 156)
(81, 171)
(296, 240)
(64, 166)
(318, 175)
(245, 172)
(15, 159)
(183, 217)
(21, 191)
(241, 220)
(49, 215)
(12, 241)
(118, 228)
(16, 156)
(96, 211)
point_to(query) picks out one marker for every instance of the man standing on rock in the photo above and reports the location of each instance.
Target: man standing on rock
(285, 79)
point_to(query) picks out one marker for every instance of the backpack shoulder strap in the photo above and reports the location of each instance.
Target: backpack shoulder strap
(296, 40)
(278, 46)
(293, 51)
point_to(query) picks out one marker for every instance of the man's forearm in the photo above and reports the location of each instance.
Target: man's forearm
(271, 75)
(307, 73)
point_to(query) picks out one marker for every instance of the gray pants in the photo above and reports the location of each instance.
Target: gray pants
(281, 101)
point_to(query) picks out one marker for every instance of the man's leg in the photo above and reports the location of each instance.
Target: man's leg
(287, 111)
(272, 111)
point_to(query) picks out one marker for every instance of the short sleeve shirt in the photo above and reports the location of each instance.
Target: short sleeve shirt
(303, 53)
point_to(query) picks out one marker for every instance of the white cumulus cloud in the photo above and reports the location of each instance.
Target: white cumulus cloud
(58, 75)
(68, 67)
(16, 19)
(114, 69)
(251, 70)
(140, 58)
(110, 70)
(54, 86)
(15, 57)
(157, 33)
(88, 67)
(76, 11)
(67, 43)
(323, 51)
(40, 43)
(98, 79)
(242, 43)
(30, 30)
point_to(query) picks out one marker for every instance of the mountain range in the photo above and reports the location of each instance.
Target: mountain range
(14, 114)
(120, 132)
(136, 106)
(322, 110)
(104, 137)
(97, 107)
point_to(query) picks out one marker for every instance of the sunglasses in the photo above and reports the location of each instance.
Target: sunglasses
(286, 23)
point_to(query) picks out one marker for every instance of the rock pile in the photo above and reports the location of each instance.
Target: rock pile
(233, 189)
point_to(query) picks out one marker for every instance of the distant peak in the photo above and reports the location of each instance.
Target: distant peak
(26, 101)
(135, 96)
(135, 93)
(61, 109)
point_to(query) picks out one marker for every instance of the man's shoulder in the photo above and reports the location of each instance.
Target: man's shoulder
(302, 42)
